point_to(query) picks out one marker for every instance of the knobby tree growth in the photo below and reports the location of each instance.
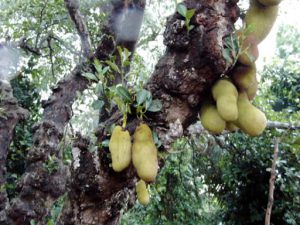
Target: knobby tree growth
(94, 194)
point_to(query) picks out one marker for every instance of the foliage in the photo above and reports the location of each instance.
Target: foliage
(28, 97)
(178, 195)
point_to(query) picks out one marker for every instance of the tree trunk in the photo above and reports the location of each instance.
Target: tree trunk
(181, 80)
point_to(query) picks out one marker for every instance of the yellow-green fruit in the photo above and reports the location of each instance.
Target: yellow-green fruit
(144, 153)
(231, 127)
(249, 48)
(251, 120)
(252, 90)
(211, 119)
(225, 94)
(261, 19)
(269, 2)
(142, 192)
(120, 149)
(245, 79)
(244, 76)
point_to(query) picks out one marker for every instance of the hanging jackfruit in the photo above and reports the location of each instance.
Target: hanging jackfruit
(225, 94)
(251, 120)
(120, 149)
(142, 193)
(249, 49)
(230, 126)
(261, 19)
(211, 119)
(144, 153)
(245, 79)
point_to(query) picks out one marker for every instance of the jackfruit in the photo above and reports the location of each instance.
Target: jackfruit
(142, 193)
(249, 49)
(269, 2)
(245, 79)
(261, 19)
(252, 90)
(225, 94)
(230, 126)
(144, 153)
(251, 120)
(211, 119)
(120, 149)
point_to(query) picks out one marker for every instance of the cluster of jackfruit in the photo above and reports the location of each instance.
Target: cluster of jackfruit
(232, 108)
(142, 153)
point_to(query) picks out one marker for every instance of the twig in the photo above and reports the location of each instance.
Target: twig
(272, 182)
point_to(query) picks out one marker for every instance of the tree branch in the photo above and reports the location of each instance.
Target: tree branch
(272, 183)
(281, 125)
(74, 12)
(10, 115)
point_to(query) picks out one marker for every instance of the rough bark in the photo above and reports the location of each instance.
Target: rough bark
(10, 115)
(74, 12)
(92, 183)
(39, 187)
(181, 80)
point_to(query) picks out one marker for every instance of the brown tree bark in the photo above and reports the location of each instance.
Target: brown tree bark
(10, 115)
(181, 80)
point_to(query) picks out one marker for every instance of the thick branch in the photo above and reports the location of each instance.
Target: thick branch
(192, 62)
(74, 12)
(272, 183)
(10, 115)
(281, 125)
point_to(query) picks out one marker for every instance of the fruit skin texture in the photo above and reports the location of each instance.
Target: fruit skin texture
(120, 149)
(245, 79)
(144, 153)
(142, 193)
(225, 94)
(249, 49)
(269, 2)
(251, 120)
(261, 19)
(210, 118)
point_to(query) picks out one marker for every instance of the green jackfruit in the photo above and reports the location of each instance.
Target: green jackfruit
(251, 120)
(230, 126)
(211, 119)
(144, 153)
(249, 48)
(142, 193)
(261, 19)
(245, 79)
(225, 94)
(120, 149)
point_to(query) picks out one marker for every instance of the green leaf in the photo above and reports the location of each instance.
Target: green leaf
(113, 66)
(226, 55)
(98, 104)
(123, 93)
(142, 96)
(155, 106)
(90, 76)
(181, 9)
(98, 65)
(105, 143)
(190, 13)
